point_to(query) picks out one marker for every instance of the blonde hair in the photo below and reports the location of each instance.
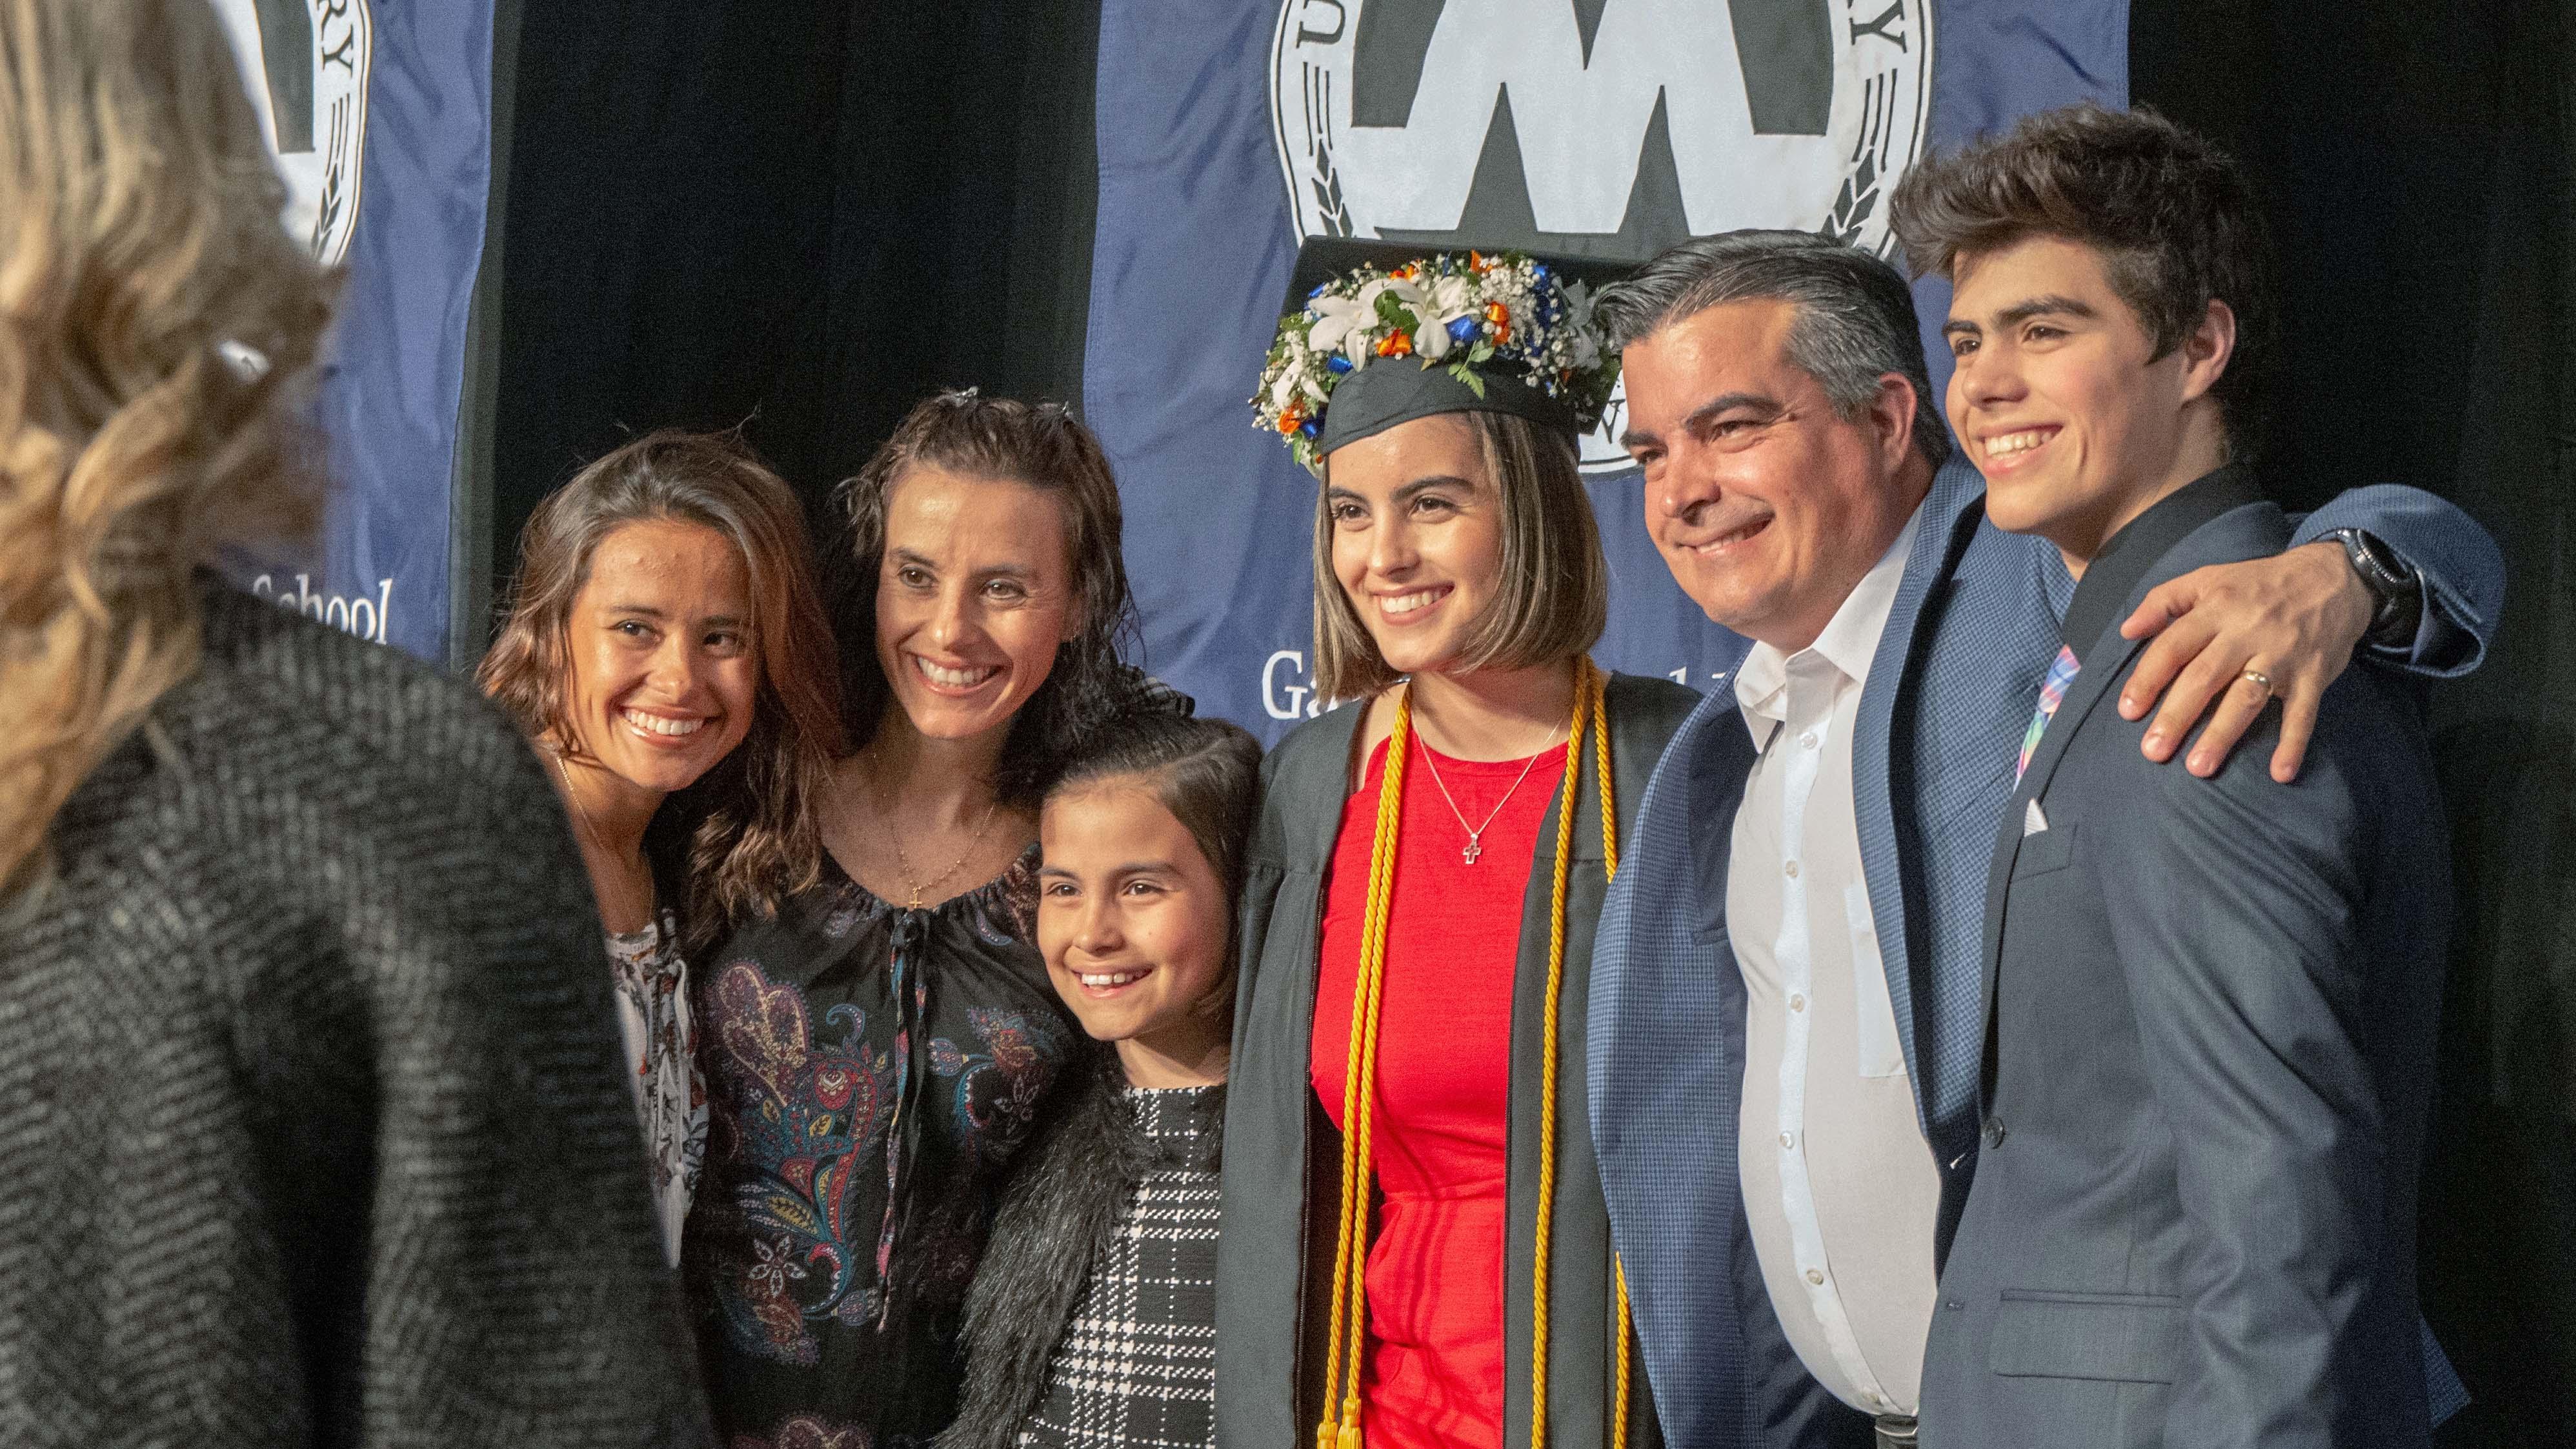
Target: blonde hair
(1553, 598)
(757, 833)
(139, 234)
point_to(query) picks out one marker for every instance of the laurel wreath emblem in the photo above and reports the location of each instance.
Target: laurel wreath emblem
(326, 214)
(1853, 204)
(1334, 211)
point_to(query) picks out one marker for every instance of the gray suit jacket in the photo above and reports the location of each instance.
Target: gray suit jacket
(2211, 1010)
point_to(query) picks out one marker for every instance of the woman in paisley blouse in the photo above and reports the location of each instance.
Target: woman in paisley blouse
(665, 631)
(877, 1052)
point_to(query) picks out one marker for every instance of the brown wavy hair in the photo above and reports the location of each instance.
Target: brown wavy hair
(754, 833)
(1043, 446)
(156, 326)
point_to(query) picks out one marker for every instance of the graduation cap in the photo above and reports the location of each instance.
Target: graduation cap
(1377, 333)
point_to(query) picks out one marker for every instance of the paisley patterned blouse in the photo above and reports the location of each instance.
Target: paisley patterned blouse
(871, 1072)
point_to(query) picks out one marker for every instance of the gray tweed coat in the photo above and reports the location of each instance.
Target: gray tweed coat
(312, 1126)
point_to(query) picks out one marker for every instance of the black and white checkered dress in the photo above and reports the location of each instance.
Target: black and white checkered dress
(1136, 1367)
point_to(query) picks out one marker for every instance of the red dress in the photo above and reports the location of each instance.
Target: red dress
(1433, 1375)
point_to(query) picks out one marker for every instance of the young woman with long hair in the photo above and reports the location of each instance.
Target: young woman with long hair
(878, 1050)
(308, 1091)
(1416, 1249)
(665, 631)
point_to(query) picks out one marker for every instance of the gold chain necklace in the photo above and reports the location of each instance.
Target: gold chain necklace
(1348, 1331)
(903, 862)
(1475, 833)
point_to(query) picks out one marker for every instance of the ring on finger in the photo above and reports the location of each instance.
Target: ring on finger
(2258, 679)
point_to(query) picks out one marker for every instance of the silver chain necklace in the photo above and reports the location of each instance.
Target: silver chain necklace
(1475, 833)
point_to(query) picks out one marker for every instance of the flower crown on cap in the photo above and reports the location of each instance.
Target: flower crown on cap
(1503, 315)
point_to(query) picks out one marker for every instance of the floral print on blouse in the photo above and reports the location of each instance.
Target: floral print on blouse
(654, 1013)
(872, 1072)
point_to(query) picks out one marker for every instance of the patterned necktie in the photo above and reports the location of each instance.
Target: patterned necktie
(2061, 672)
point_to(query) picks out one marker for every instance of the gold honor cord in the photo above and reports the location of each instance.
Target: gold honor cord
(1350, 1311)
(1350, 1288)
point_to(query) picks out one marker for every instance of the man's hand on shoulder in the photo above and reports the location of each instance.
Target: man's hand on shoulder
(2222, 631)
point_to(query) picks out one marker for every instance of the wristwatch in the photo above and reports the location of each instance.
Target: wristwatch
(2396, 589)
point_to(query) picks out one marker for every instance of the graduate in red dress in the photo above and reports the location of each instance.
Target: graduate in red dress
(1416, 1252)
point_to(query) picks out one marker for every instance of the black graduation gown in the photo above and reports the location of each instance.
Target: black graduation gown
(1274, 1262)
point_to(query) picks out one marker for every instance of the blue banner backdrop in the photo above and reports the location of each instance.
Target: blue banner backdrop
(1229, 130)
(380, 112)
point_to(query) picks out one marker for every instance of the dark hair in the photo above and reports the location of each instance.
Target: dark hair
(1042, 446)
(755, 836)
(1552, 583)
(1207, 772)
(1855, 324)
(2170, 214)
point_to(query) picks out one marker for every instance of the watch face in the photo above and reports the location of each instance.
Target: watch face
(2385, 560)
(2368, 558)
(2395, 594)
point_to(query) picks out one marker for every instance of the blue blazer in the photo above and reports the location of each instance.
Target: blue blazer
(1950, 691)
(2212, 1005)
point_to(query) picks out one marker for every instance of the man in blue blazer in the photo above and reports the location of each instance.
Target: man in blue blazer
(1786, 1024)
(2210, 1007)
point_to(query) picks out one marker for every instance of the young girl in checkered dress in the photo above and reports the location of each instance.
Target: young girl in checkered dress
(1092, 1321)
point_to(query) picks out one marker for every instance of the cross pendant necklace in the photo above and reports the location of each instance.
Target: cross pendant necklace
(1475, 845)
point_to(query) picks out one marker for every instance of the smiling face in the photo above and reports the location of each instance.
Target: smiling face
(664, 668)
(1132, 920)
(974, 595)
(1417, 537)
(1768, 505)
(2060, 401)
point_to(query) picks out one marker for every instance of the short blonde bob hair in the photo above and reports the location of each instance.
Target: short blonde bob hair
(1554, 596)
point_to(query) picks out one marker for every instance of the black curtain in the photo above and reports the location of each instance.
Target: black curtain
(800, 219)
(803, 218)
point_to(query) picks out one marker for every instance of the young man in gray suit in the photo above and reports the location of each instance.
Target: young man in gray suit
(2210, 1005)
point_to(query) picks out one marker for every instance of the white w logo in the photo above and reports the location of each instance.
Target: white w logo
(1582, 125)
(1373, 144)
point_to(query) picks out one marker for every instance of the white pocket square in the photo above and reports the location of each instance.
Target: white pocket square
(2032, 821)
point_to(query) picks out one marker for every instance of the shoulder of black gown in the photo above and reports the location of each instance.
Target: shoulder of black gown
(1304, 781)
(1647, 710)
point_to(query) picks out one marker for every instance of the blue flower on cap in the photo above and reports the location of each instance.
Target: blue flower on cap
(1480, 322)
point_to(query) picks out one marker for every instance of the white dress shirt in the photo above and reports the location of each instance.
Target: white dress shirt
(1840, 1188)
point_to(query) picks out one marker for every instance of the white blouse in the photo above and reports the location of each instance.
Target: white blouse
(661, 1056)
